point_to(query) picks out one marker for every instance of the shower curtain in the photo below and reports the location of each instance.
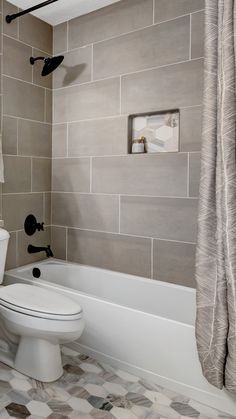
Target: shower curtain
(216, 247)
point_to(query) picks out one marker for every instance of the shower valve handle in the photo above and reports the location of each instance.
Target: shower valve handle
(40, 226)
(31, 225)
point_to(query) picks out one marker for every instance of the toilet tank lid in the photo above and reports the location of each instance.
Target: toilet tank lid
(4, 235)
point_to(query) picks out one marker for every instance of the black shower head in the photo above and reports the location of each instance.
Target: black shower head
(50, 64)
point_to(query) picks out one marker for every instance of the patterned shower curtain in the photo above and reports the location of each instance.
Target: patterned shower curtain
(216, 248)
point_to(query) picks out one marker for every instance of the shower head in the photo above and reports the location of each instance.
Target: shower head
(50, 64)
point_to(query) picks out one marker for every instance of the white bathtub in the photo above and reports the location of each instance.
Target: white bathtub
(141, 325)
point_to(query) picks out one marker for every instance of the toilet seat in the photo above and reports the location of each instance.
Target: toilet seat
(38, 302)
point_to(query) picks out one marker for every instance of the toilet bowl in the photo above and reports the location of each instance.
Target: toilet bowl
(37, 321)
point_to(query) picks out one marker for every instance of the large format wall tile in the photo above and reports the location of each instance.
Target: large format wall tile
(160, 174)
(41, 175)
(58, 240)
(31, 107)
(110, 251)
(16, 207)
(75, 69)
(17, 172)
(12, 28)
(197, 35)
(60, 38)
(169, 9)
(16, 59)
(48, 106)
(174, 262)
(71, 175)
(47, 208)
(34, 138)
(157, 45)
(87, 101)
(190, 129)
(98, 137)
(11, 261)
(86, 211)
(163, 218)
(59, 140)
(121, 17)
(194, 173)
(174, 86)
(35, 32)
(9, 135)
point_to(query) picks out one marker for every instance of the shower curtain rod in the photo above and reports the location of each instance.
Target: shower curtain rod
(9, 18)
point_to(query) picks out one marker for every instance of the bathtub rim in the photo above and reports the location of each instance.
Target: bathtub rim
(37, 281)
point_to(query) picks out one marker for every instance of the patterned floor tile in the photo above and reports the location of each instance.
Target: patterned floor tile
(92, 390)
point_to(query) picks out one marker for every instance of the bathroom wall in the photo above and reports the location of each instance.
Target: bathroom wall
(128, 213)
(27, 106)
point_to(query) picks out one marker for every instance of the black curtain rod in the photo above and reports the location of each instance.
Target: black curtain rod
(9, 18)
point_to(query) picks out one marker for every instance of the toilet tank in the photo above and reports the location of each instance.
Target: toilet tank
(4, 238)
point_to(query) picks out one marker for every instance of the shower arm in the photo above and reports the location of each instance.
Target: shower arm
(10, 18)
(32, 59)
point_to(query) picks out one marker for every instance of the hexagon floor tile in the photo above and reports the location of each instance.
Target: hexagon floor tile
(92, 390)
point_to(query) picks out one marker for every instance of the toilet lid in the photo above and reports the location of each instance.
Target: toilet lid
(38, 302)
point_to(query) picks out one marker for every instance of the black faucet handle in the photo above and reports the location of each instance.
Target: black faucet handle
(49, 251)
(31, 225)
(40, 226)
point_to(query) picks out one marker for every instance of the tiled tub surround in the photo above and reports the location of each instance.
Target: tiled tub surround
(27, 133)
(134, 214)
(92, 390)
(112, 304)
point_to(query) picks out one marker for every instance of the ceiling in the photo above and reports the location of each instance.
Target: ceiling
(63, 10)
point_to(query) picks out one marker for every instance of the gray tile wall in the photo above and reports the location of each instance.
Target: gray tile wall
(27, 134)
(134, 214)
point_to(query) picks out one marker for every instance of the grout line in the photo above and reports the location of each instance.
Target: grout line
(24, 43)
(27, 119)
(123, 234)
(25, 156)
(115, 194)
(152, 257)
(153, 12)
(24, 193)
(30, 82)
(105, 117)
(117, 76)
(129, 32)
(130, 155)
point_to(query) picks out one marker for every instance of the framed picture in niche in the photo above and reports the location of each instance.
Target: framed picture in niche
(158, 131)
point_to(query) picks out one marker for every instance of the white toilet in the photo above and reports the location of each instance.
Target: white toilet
(36, 321)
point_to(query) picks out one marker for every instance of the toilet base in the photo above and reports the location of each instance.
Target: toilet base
(39, 359)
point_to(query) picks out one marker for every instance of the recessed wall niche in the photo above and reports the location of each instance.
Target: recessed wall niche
(155, 132)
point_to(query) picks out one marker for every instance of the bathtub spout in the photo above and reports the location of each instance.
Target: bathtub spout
(35, 249)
